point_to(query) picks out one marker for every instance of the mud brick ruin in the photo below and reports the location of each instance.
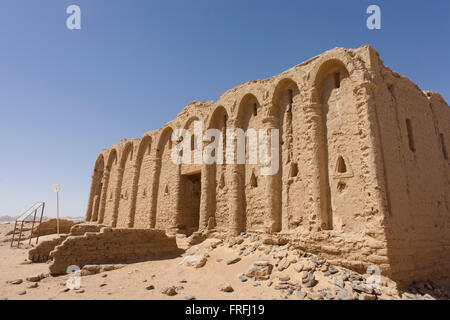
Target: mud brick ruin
(363, 179)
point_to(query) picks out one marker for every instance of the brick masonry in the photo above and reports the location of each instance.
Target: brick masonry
(364, 168)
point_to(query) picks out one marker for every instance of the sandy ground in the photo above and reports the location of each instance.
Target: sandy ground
(132, 281)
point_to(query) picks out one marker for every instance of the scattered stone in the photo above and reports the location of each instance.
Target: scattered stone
(170, 291)
(242, 278)
(21, 293)
(190, 297)
(345, 276)
(65, 290)
(269, 283)
(252, 248)
(196, 238)
(284, 277)
(33, 285)
(308, 279)
(263, 263)
(355, 277)
(315, 295)
(233, 261)
(301, 295)
(298, 267)
(104, 275)
(365, 296)
(183, 281)
(343, 294)
(326, 293)
(282, 286)
(36, 278)
(213, 243)
(226, 287)
(17, 281)
(196, 261)
(339, 283)
(317, 260)
(332, 270)
(150, 287)
(80, 291)
(362, 287)
(284, 264)
(260, 270)
(308, 266)
(219, 260)
(428, 297)
(102, 285)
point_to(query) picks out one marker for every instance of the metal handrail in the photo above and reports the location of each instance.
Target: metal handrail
(30, 211)
(24, 216)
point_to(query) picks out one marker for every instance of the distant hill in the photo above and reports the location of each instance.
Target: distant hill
(7, 218)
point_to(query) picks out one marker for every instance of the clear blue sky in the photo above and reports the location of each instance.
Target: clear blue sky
(66, 94)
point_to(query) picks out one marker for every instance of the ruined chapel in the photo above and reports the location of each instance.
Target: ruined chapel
(363, 173)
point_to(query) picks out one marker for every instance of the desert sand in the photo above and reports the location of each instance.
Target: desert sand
(147, 280)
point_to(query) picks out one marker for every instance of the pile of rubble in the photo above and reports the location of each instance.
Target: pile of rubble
(306, 276)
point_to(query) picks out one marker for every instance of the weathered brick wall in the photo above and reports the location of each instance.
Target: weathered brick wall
(112, 246)
(50, 227)
(418, 223)
(41, 253)
(80, 229)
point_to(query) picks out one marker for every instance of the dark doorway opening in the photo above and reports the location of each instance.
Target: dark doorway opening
(190, 202)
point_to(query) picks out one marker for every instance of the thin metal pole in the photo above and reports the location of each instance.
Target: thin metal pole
(14, 232)
(32, 226)
(57, 212)
(40, 221)
(20, 235)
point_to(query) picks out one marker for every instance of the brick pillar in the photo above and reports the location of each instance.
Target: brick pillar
(95, 204)
(134, 190)
(272, 183)
(104, 195)
(91, 198)
(207, 194)
(117, 197)
(178, 210)
(318, 190)
(377, 197)
(156, 170)
(236, 192)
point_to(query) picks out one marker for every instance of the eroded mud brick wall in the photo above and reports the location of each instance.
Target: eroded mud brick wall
(415, 132)
(363, 176)
(112, 246)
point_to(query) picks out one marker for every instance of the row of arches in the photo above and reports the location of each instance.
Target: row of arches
(149, 190)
